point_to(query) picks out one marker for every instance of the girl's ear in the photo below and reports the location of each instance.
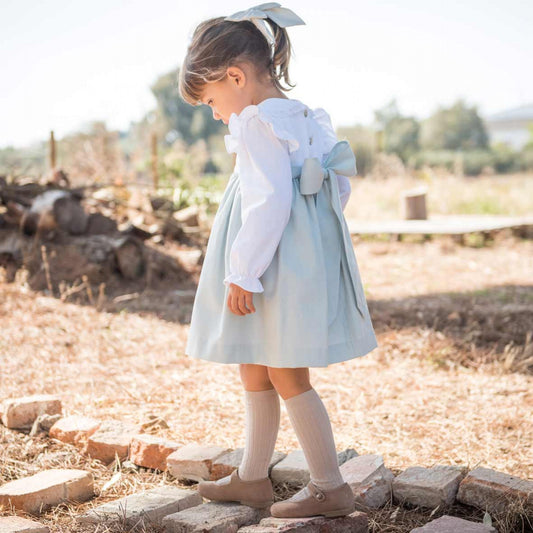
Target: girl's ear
(236, 76)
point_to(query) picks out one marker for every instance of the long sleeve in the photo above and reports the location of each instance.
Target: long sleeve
(266, 197)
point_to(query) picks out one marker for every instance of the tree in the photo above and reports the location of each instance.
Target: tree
(458, 127)
(400, 134)
(181, 119)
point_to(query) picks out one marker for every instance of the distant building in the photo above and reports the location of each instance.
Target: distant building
(513, 127)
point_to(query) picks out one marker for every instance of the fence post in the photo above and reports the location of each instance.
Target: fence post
(52, 151)
(155, 177)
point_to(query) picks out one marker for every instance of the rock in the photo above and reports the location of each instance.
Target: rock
(159, 203)
(151, 451)
(112, 437)
(129, 257)
(495, 491)
(213, 517)
(294, 469)
(356, 522)
(452, 524)
(346, 455)
(19, 413)
(172, 229)
(188, 216)
(70, 215)
(36, 493)
(42, 424)
(428, 487)
(194, 461)
(226, 463)
(143, 509)
(369, 479)
(17, 524)
(74, 429)
(139, 199)
(189, 259)
(98, 224)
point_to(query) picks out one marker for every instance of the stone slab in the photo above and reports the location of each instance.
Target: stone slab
(294, 469)
(227, 462)
(112, 439)
(74, 429)
(20, 413)
(428, 487)
(356, 522)
(213, 517)
(151, 451)
(452, 524)
(17, 524)
(495, 491)
(194, 461)
(369, 479)
(36, 493)
(145, 508)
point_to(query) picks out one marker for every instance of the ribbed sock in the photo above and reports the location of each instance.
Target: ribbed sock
(310, 420)
(262, 414)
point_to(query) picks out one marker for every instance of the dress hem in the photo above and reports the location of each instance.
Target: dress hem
(244, 354)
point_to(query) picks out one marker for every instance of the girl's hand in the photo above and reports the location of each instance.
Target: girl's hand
(240, 301)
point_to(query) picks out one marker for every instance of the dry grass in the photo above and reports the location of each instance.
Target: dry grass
(450, 383)
(509, 194)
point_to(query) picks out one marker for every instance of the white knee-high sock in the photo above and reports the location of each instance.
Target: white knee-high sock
(262, 413)
(310, 420)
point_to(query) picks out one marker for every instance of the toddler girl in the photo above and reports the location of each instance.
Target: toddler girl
(280, 289)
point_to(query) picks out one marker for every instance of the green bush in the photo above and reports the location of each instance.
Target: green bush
(525, 158)
(472, 161)
(434, 158)
(475, 160)
(505, 158)
(364, 157)
(362, 141)
(458, 127)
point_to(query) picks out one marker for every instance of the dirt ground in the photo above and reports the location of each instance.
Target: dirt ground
(450, 382)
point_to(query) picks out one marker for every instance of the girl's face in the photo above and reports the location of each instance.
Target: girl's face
(227, 96)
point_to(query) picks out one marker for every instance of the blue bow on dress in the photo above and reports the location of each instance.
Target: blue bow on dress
(340, 160)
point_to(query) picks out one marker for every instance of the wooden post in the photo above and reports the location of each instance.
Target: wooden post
(414, 204)
(52, 151)
(154, 160)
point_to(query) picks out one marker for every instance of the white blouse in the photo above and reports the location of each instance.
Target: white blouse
(268, 138)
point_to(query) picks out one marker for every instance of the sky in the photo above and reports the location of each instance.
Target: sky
(66, 63)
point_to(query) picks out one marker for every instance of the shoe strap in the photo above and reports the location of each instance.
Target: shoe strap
(316, 492)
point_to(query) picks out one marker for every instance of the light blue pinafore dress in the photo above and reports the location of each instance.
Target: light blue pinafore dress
(313, 311)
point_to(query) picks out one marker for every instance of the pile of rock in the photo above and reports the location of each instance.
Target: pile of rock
(178, 509)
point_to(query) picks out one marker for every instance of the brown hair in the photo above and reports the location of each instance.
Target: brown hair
(218, 44)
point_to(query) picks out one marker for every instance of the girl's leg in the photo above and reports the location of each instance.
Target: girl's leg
(262, 414)
(311, 424)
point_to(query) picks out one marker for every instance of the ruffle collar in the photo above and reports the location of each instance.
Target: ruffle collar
(267, 110)
(271, 105)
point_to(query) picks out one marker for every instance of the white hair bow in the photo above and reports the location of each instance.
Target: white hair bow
(282, 16)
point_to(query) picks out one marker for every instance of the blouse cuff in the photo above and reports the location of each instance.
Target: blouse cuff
(246, 283)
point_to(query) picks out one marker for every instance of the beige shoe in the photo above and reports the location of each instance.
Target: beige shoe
(256, 493)
(313, 501)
